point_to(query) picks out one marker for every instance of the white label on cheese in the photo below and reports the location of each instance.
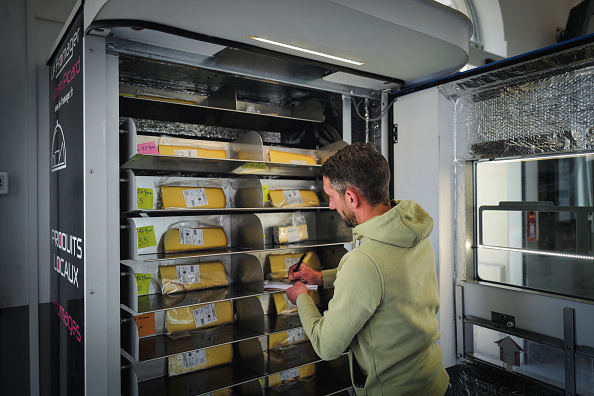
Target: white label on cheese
(290, 305)
(299, 162)
(187, 274)
(186, 153)
(293, 234)
(292, 197)
(290, 261)
(204, 315)
(289, 374)
(195, 197)
(191, 236)
(295, 335)
(194, 359)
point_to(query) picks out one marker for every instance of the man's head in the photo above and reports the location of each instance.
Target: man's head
(357, 168)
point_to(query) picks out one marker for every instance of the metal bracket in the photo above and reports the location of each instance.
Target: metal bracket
(569, 350)
(394, 133)
(507, 320)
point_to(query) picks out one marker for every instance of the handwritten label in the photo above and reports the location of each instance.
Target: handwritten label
(143, 282)
(146, 237)
(195, 197)
(290, 261)
(144, 198)
(186, 153)
(292, 197)
(289, 374)
(187, 274)
(146, 324)
(191, 236)
(147, 148)
(204, 315)
(144, 304)
(194, 358)
(265, 193)
(254, 165)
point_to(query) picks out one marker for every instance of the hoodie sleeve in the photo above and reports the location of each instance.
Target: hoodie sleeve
(358, 291)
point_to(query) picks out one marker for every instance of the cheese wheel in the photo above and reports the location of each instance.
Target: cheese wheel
(290, 234)
(173, 197)
(291, 158)
(195, 277)
(189, 151)
(292, 375)
(280, 262)
(199, 316)
(304, 199)
(200, 359)
(212, 238)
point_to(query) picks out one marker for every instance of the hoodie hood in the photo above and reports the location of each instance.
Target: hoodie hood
(405, 225)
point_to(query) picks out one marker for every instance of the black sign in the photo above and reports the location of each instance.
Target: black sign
(64, 333)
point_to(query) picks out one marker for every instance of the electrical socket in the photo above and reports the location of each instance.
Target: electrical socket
(3, 183)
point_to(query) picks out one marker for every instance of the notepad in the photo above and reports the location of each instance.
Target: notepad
(280, 285)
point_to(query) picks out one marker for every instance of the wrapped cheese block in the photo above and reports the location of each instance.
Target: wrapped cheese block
(189, 151)
(284, 306)
(199, 316)
(290, 234)
(286, 338)
(185, 239)
(280, 263)
(192, 197)
(200, 359)
(293, 198)
(291, 158)
(181, 278)
(293, 374)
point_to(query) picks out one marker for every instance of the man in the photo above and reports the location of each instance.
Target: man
(385, 290)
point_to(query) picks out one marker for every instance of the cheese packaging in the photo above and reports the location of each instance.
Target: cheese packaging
(189, 151)
(192, 197)
(163, 99)
(280, 263)
(199, 316)
(290, 234)
(182, 278)
(293, 374)
(293, 198)
(200, 359)
(185, 239)
(286, 338)
(284, 306)
(292, 158)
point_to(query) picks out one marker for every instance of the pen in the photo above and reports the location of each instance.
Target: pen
(299, 263)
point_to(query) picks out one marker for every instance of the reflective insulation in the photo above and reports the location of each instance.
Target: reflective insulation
(539, 106)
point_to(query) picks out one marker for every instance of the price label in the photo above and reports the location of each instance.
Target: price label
(204, 315)
(187, 274)
(265, 193)
(292, 197)
(143, 282)
(298, 162)
(191, 236)
(147, 148)
(255, 165)
(146, 324)
(290, 261)
(186, 153)
(289, 374)
(195, 197)
(194, 359)
(293, 234)
(144, 198)
(144, 303)
(295, 335)
(146, 237)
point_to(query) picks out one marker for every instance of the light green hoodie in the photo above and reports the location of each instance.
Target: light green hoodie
(384, 307)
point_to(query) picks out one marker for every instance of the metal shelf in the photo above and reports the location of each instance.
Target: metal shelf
(285, 358)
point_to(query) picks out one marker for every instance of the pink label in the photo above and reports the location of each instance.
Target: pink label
(147, 148)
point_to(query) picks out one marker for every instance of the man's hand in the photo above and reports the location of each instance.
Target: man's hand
(295, 291)
(306, 275)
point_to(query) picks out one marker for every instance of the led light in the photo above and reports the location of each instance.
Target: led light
(576, 256)
(305, 50)
(542, 158)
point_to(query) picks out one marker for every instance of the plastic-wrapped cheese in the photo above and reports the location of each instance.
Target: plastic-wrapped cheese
(181, 278)
(192, 197)
(286, 338)
(290, 234)
(293, 374)
(194, 239)
(189, 151)
(200, 359)
(280, 263)
(284, 306)
(291, 158)
(199, 316)
(293, 198)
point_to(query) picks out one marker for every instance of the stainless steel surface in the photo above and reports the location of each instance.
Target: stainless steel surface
(249, 147)
(282, 359)
(223, 98)
(569, 346)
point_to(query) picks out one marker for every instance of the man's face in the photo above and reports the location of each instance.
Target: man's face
(338, 203)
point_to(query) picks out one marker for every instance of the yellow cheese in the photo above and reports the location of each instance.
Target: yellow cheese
(190, 318)
(291, 158)
(308, 198)
(212, 238)
(284, 338)
(162, 99)
(207, 275)
(290, 234)
(288, 375)
(200, 359)
(283, 305)
(279, 263)
(189, 151)
(173, 197)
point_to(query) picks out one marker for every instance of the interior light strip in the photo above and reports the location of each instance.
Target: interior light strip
(542, 158)
(306, 50)
(576, 256)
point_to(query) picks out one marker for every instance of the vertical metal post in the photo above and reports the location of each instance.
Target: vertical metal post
(346, 119)
(569, 350)
(385, 134)
(459, 291)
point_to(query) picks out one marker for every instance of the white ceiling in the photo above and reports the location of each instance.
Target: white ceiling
(411, 40)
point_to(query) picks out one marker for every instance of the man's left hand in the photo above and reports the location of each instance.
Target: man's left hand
(294, 291)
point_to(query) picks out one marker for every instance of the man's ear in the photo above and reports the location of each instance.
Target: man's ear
(352, 198)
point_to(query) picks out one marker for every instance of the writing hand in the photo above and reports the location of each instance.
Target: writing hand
(306, 275)
(295, 291)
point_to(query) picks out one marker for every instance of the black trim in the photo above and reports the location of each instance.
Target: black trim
(136, 24)
(63, 38)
